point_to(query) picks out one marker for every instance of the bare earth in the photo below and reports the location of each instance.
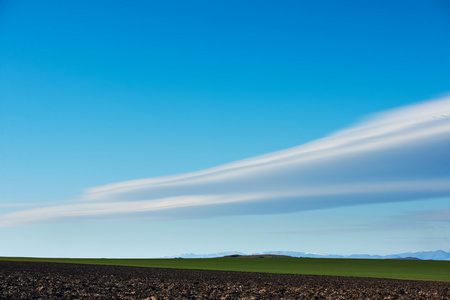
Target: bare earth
(32, 280)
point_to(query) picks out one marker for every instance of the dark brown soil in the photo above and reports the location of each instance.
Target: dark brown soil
(31, 280)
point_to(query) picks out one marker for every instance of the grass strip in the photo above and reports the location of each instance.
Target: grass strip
(378, 268)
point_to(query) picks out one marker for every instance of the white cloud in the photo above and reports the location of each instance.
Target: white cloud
(398, 155)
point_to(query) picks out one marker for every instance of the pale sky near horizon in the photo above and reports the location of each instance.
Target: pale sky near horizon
(97, 97)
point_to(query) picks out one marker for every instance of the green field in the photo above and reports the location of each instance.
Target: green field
(399, 269)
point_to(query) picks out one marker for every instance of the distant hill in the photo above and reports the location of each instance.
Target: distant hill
(212, 255)
(256, 256)
(424, 255)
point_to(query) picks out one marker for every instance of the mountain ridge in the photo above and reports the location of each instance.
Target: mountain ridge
(423, 255)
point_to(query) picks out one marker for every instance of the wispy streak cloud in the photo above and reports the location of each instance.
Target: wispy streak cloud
(442, 215)
(399, 155)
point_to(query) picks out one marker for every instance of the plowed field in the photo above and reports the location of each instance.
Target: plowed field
(38, 280)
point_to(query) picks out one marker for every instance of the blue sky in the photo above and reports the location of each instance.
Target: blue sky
(94, 94)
